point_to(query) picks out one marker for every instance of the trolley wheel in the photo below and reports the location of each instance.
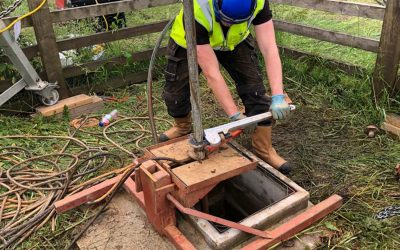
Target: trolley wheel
(51, 101)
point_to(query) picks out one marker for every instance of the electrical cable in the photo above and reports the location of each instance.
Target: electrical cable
(150, 80)
(30, 184)
(104, 18)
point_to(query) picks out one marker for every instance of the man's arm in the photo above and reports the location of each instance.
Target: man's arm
(265, 36)
(209, 64)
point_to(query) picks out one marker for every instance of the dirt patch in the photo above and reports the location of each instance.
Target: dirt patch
(123, 226)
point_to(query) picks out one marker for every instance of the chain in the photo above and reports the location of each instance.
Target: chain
(388, 212)
(10, 9)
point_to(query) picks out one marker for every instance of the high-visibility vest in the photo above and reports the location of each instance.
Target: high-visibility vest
(205, 16)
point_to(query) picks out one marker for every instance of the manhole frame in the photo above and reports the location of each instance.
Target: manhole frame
(263, 219)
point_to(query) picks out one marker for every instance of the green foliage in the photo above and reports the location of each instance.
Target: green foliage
(324, 138)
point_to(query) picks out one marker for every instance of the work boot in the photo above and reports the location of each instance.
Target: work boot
(262, 145)
(182, 126)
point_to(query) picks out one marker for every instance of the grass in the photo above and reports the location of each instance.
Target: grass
(324, 138)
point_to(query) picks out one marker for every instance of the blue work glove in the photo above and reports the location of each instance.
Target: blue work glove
(239, 116)
(279, 108)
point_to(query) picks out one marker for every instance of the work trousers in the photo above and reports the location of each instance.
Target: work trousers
(242, 65)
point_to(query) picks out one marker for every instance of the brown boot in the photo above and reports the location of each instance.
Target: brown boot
(262, 145)
(182, 126)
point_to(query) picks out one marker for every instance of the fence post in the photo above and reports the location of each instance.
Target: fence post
(46, 40)
(387, 62)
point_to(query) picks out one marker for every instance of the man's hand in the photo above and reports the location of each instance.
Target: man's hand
(279, 108)
(239, 116)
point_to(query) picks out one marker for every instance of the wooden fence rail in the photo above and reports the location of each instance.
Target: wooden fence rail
(372, 11)
(60, 16)
(328, 36)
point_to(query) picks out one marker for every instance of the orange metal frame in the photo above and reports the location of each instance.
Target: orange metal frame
(155, 190)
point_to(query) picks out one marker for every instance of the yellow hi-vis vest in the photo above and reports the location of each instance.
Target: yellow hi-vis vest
(204, 15)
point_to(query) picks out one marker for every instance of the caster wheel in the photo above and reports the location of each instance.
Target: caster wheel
(53, 100)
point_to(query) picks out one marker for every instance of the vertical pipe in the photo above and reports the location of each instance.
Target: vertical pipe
(193, 69)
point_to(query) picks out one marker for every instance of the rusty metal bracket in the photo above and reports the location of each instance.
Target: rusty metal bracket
(209, 217)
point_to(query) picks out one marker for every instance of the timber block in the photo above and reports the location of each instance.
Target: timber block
(391, 129)
(393, 119)
(196, 178)
(76, 105)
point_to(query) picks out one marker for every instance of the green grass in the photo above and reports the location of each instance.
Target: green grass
(324, 137)
(356, 26)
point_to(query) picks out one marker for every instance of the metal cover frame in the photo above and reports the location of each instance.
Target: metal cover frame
(267, 217)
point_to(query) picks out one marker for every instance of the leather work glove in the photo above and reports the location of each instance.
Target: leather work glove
(239, 116)
(279, 108)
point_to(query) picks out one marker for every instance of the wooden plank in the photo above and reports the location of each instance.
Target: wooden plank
(4, 85)
(103, 37)
(178, 150)
(218, 167)
(393, 119)
(178, 238)
(373, 11)
(26, 22)
(70, 102)
(297, 224)
(130, 187)
(109, 36)
(391, 129)
(46, 40)
(112, 83)
(105, 9)
(345, 8)
(96, 105)
(328, 61)
(85, 195)
(387, 62)
(30, 52)
(108, 63)
(328, 36)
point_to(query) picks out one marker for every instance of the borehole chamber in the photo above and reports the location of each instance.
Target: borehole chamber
(259, 198)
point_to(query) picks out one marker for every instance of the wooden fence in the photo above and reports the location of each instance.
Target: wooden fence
(388, 48)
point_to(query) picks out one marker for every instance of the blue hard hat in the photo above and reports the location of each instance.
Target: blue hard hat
(234, 11)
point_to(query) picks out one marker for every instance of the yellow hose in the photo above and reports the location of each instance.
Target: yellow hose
(24, 16)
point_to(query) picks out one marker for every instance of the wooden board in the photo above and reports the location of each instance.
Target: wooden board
(178, 150)
(85, 68)
(328, 36)
(391, 129)
(339, 7)
(218, 167)
(93, 107)
(71, 102)
(393, 119)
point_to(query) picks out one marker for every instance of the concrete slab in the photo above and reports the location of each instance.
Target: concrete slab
(123, 226)
(308, 241)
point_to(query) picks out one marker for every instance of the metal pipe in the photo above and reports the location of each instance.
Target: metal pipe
(193, 70)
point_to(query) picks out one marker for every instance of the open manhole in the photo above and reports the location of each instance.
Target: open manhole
(259, 198)
(244, 195)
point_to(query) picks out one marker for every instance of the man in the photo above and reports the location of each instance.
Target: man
(223, 37)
